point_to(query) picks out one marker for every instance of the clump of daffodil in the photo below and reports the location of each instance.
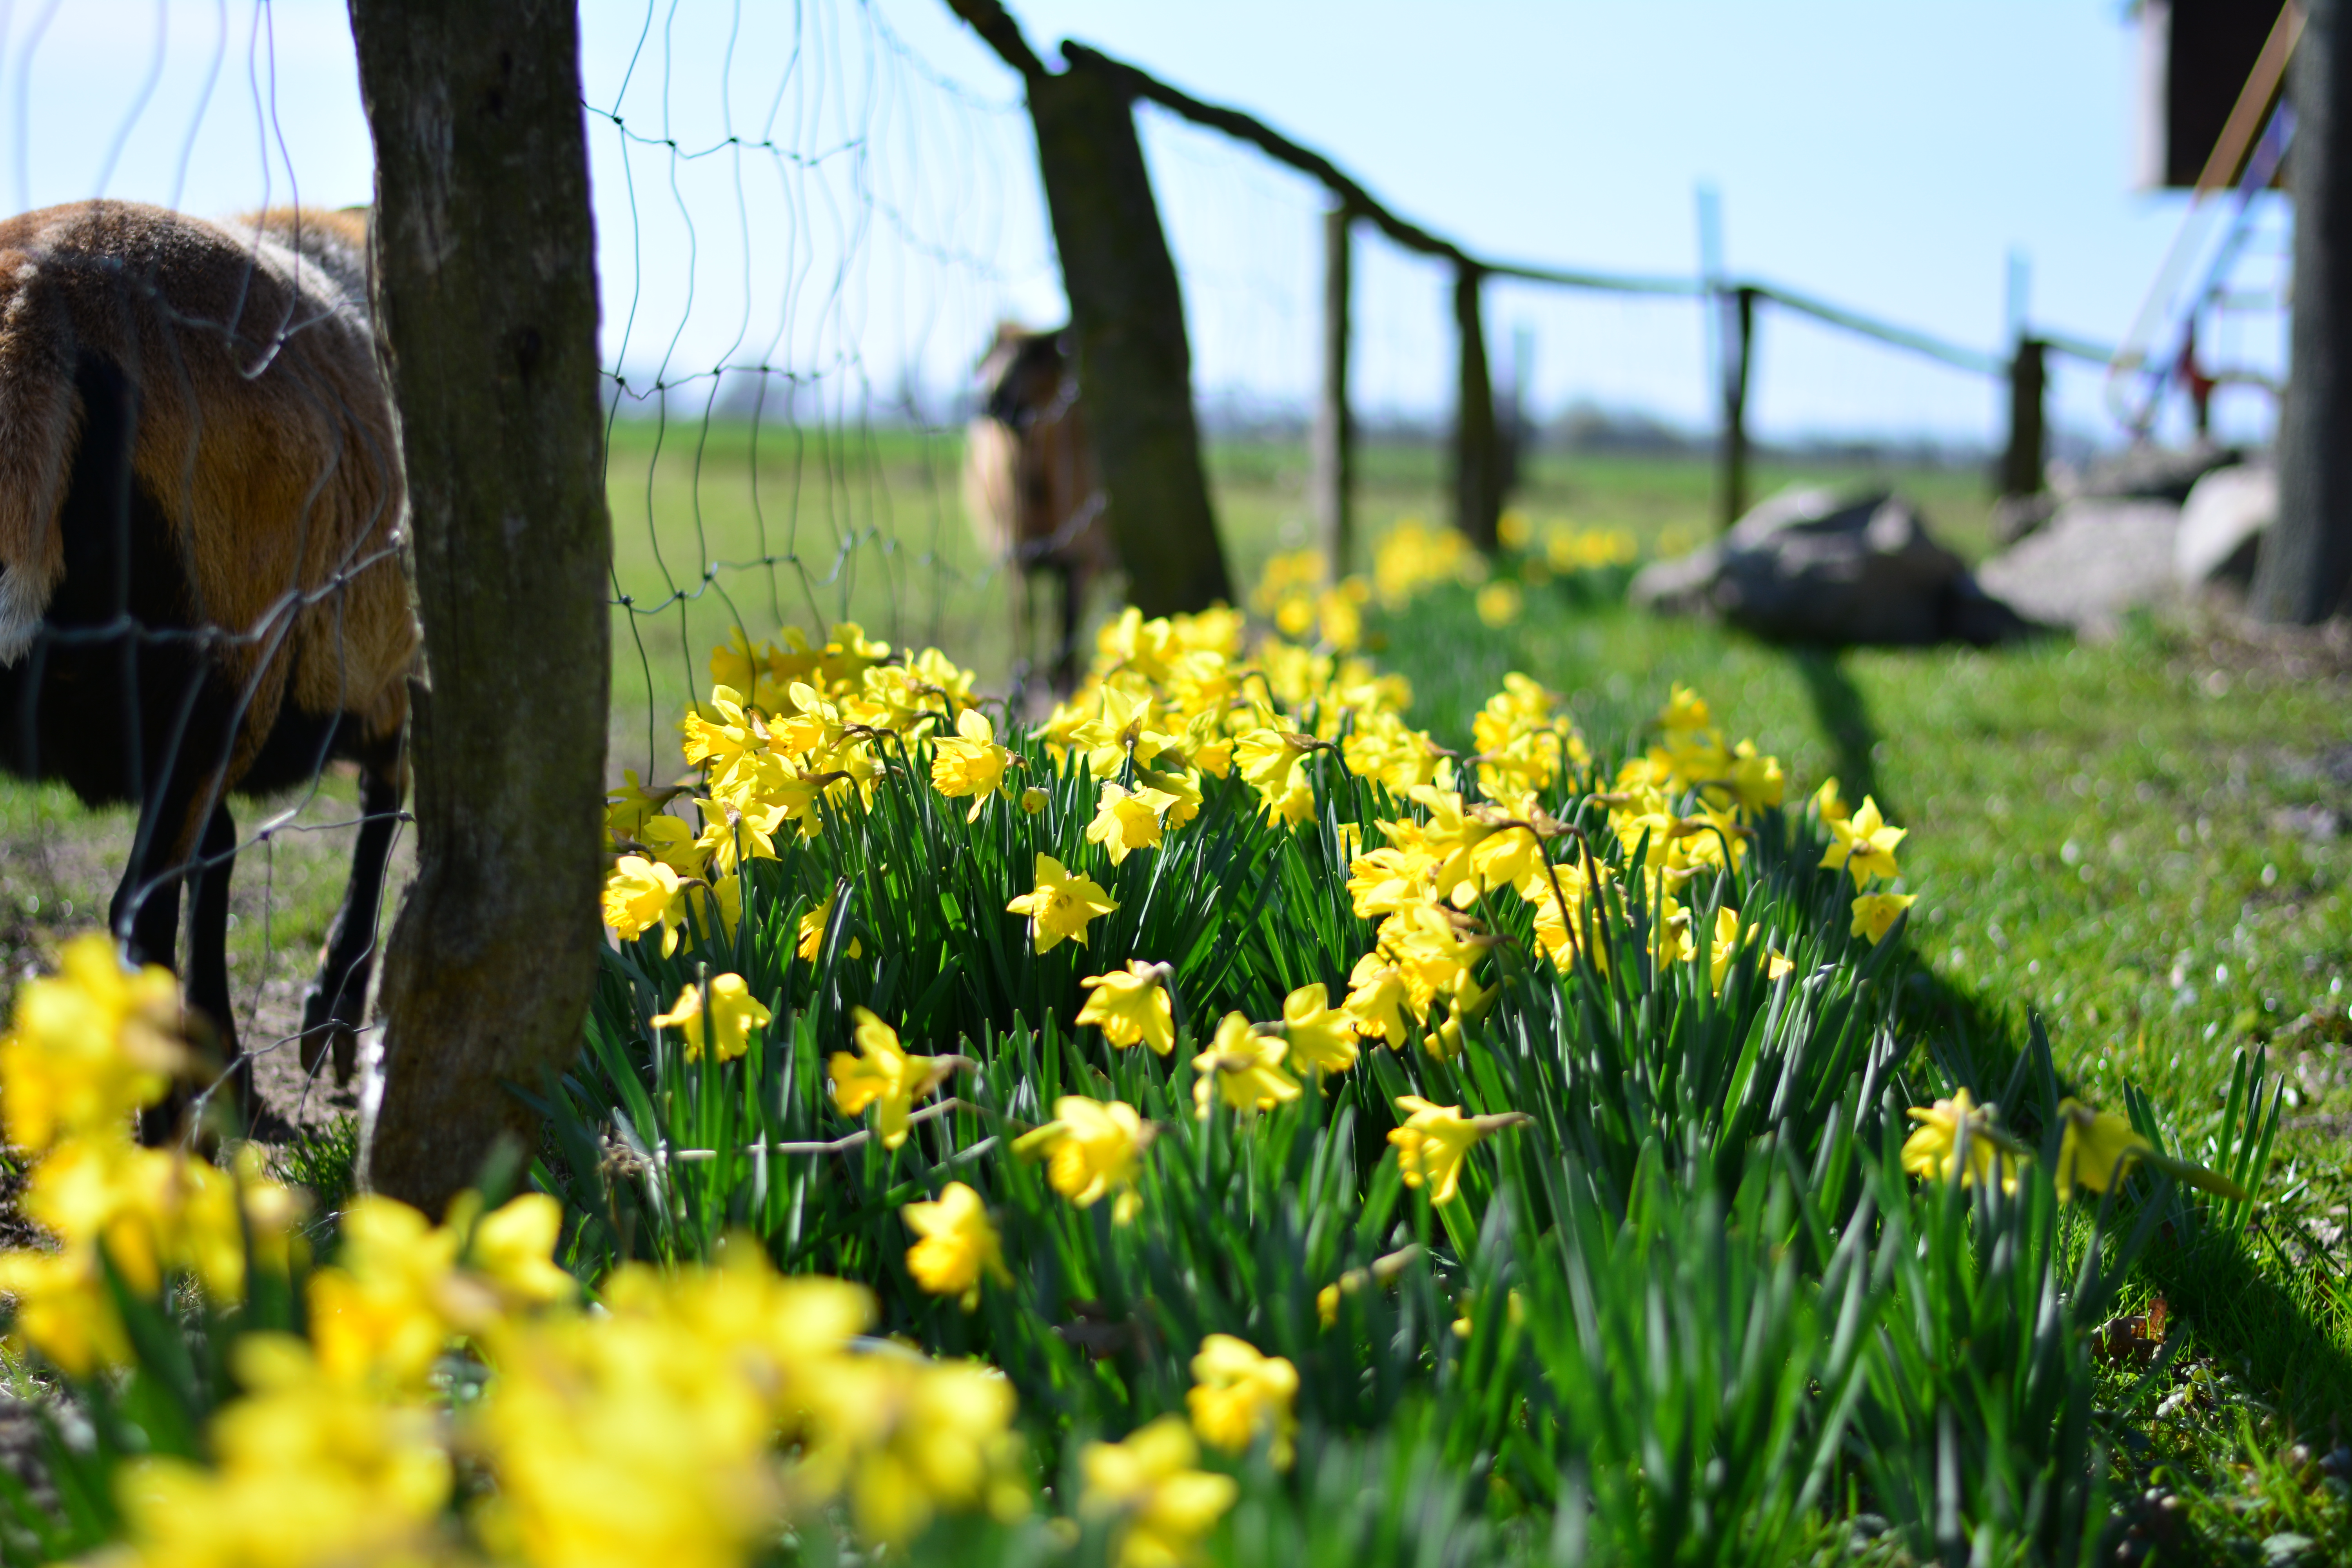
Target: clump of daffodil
(971, 764)
(1436, 1139)
(1874, 914)
(1243, 1067)
(86, 1050)
(1934, 1148)
(1131, 1008)
(1092, 1150)
(883, 1073)
(907, 1438)
(305, 1470)
(959, 1244)
(734, 1012)
(1061, 904)
(1238, 1396)
(1151, 1485)
(89, 1045)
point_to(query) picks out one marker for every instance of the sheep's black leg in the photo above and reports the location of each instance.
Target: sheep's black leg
(208, 949)
(146, 912)
(332, 1009)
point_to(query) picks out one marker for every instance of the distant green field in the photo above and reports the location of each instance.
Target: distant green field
(869, 526)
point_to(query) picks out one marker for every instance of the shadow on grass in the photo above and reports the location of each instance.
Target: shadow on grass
(1844, 719)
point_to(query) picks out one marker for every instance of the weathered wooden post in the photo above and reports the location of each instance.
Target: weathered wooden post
(2304, 571)
(1738, 353)
(2021, 464)
(1135, 365)
(1332, 455)
(1477, 456)
(486, 302)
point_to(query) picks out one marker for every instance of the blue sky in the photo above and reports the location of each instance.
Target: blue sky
(1889, 156)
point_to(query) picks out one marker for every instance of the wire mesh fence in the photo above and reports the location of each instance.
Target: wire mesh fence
(813, 221)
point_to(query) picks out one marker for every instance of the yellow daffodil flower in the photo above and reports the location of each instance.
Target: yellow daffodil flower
(1033, 800)
(1125, 821)
(1725, 948)
(810, 929)
(1933, 1148)
(1237, 1395)
(513, 1246)
(1685, 711)
(1874, 914)
(1150, 1484)
(1498, 603)
(2095, 1148)
(1321, 1037)
(1756, 781)
(958, 1244)
(1243, 1067)
(971, 763)
(1436, 1139)
(1863, 846)
(1061, 905)
(1831, 805)
(883, 1073)
(1376, 1001)
(642, 894)
(734, 1014)
(1132, 1007)
(1092, 1149)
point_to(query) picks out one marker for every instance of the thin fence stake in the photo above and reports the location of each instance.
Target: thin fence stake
(1332, 476)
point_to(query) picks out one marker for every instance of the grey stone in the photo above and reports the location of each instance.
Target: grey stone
(1813, 567)
(2222, 525)
(2093, 561)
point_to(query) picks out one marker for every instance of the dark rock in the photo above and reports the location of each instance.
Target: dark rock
(1811, 566)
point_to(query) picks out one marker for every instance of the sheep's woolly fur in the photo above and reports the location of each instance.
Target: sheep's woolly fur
(264, 436)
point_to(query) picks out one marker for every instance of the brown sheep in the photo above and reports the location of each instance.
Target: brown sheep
(1031, 486)
(201, 592)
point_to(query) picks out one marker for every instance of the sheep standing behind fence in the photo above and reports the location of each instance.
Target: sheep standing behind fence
(200, 589)
(1032, 489)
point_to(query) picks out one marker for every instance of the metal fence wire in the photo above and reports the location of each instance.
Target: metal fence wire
(812, 220)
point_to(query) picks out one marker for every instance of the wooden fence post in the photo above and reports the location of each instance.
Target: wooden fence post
(2303, 573)
(1477, 458)
(1135, 365)
(1331, 477)
(2022, 465)
(1738, 353)
(485, 305)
